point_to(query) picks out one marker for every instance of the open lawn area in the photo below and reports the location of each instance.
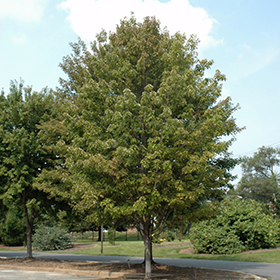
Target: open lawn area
(174, 249)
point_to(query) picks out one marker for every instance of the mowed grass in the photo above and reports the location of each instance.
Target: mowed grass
(172, 250)
(131, 245)
(13, 248)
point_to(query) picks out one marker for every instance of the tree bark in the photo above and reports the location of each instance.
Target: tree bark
(29, 219)
(28, 241)
(29, 225)
(148, 256)
(151, 250)
(99, 233)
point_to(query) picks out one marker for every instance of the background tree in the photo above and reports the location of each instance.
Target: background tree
(260, 179)
(22, 153)
(147, 128)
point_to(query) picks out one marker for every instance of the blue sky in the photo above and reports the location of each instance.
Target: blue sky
(242, 37)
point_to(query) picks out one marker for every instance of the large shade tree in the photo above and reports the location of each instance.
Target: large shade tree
(22, 153)
(147, 128)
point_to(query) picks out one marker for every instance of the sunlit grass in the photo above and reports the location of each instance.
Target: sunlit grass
(121, 248)
(263, 257)
(18, 249)
(170, 250)
(89, 237)
(135, 248)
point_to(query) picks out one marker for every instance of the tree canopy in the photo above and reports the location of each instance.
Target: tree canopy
(147, 128)
(260, 179)
(22, 153)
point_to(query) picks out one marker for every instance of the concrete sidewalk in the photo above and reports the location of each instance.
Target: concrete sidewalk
(15, 274)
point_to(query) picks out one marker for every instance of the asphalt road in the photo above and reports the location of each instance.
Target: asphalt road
(266, 270)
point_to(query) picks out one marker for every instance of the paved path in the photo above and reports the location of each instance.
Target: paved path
(15, 274)
(265, 270)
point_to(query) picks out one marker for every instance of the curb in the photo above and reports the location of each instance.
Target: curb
(241, 272)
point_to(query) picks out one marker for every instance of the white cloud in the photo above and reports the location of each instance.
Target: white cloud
(22, 10)
(88, 17)
(251, 61)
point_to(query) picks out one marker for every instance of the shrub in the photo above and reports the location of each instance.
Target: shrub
(179, 235)
(51, 238)
(169, 236)
(207, 238)
(240, 225)
(157, 239)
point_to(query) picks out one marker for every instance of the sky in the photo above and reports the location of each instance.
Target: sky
(242, 37)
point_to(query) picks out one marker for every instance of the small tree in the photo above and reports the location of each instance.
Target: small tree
(22, 153)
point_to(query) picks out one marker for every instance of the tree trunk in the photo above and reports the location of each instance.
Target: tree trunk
(148, 256)
(28, 241)
(99, 233)
(189, 228)
(29, 225)
(29, 219)
(151, 250)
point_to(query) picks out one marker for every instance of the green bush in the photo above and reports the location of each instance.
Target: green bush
(207, 238)
(51, 238)
(179, 235)
(157, 239)
(169, 236)
(241, 225)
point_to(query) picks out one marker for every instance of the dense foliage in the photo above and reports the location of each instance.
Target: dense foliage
(22, 153)
(111, 235)
(51, 238)
(260, 179)
(241, 225)
(145, 129)
(12, 227)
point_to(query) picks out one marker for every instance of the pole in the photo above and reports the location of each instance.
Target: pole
(101, 239)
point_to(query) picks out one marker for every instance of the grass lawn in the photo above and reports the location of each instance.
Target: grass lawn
(172, 249)
(13, 248)
(130, 245)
